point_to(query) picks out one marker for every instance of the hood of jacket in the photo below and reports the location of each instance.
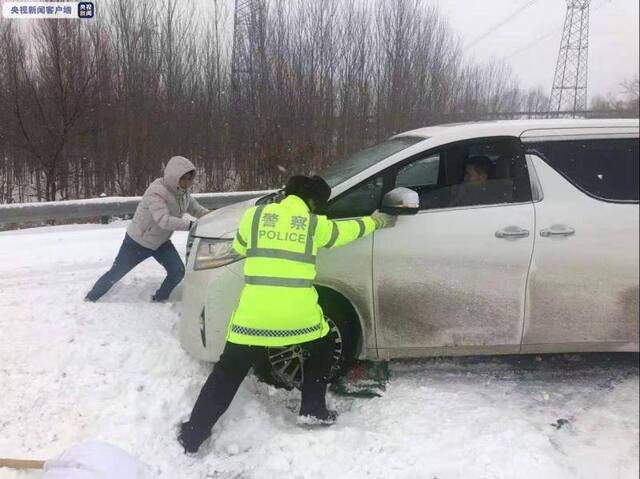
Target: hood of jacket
(177, 166)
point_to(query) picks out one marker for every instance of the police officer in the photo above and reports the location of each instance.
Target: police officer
(278, 305)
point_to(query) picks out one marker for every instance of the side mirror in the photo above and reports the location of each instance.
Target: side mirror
(401, 201)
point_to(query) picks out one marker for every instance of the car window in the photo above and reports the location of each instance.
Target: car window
(469, 174)
(421, 172)
(606, 169)
(342, 170)
(362, 200)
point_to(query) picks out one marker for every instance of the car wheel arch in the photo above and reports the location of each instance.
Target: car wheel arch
(330, 298)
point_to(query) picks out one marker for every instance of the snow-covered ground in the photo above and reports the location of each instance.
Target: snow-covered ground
(114, 371)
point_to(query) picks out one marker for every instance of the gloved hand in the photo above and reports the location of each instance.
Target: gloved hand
(383, 220)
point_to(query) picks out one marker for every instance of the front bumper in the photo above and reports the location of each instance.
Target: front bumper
(209, 298)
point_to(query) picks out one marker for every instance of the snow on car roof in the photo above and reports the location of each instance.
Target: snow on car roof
(513, 127)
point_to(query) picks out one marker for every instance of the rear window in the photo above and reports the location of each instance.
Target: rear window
(604, 169)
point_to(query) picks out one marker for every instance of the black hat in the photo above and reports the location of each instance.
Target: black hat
(309, 188)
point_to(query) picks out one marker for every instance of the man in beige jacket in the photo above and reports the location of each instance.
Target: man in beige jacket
(157, 216)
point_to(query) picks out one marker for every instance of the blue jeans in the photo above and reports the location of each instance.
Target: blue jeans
(131, 254)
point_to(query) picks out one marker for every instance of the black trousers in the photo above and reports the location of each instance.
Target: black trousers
(130, 255)
(234, 364)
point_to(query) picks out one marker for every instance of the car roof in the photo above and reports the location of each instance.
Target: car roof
(477, 129)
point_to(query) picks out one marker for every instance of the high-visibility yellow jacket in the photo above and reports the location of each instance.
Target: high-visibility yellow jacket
(278, 305)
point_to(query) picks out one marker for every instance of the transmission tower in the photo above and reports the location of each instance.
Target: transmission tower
(248, 19)
(569, 91)
(247, 56)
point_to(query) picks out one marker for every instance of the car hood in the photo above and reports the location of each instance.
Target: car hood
(223, 222)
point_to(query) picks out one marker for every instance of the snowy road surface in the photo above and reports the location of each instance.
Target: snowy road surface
(114, 371)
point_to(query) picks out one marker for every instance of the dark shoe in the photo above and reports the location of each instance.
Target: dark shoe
(158, 299)
(325, 418)
(191, 438)
(90, 299)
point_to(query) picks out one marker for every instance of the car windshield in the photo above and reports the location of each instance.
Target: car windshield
(360, 161)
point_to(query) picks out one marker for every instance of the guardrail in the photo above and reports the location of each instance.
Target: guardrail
(105, 206)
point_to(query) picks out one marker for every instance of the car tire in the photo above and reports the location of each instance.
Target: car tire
(282, 367)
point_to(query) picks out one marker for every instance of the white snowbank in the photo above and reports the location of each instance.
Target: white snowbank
(113, 371)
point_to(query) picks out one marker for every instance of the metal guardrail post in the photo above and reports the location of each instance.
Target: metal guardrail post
(104, 219)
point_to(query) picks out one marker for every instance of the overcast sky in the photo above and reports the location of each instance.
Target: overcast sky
(531, 39)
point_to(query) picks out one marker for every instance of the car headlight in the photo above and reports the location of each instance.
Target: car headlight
(190, 239)
(213, 253)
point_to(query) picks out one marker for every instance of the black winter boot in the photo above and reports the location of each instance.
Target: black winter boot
(191, 438)
(325, 418)
(313, 407)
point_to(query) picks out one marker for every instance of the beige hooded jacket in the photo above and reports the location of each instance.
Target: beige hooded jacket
(160, 211)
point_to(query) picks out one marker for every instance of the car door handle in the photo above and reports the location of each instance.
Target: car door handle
(512, 232)
(557, 230)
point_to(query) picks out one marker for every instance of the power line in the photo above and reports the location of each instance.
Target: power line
(500, 24)
(534, 42)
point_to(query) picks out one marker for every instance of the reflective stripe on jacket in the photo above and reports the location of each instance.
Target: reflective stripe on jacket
(278, 305)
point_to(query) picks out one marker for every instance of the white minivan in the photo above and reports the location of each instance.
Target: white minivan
(539, 256)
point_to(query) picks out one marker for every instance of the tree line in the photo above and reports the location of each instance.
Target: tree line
(91, 107)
